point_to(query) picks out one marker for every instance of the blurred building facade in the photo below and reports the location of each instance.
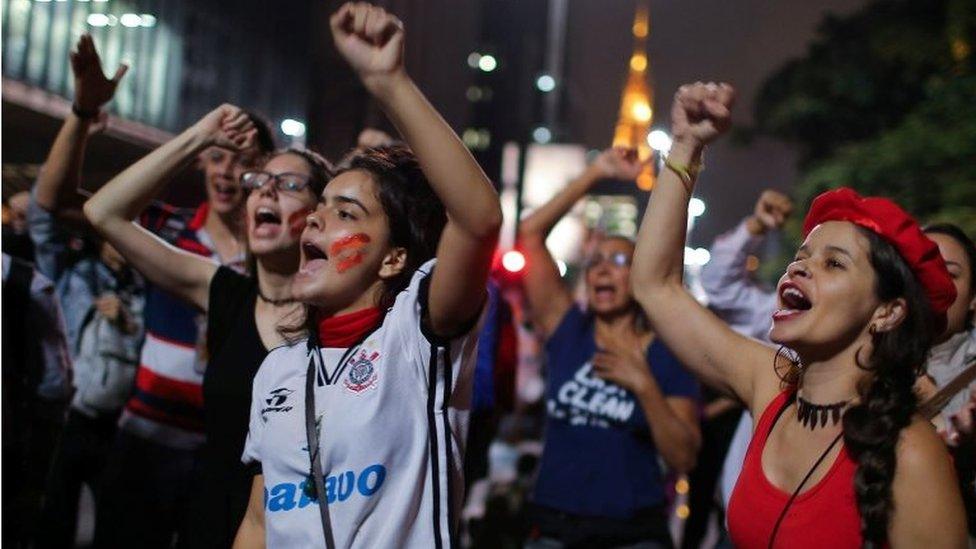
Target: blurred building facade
(185, 57)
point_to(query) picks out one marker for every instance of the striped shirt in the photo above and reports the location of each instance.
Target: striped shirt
(166, 405)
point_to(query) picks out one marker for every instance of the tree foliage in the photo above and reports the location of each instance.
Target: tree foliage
(884, 101)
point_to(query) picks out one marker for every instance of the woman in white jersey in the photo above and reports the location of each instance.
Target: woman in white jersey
(357, 428)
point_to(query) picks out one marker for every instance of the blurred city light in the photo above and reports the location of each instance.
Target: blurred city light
(696, 207)
(97, 19)
(487, 63)
(659, 140)
(473, 59)
(545, 83)
(562, 267)
(542, 135)
(641, 111)
(513, 261)
(130, 20)
(697, 256)
(638, 62)
(292, 127)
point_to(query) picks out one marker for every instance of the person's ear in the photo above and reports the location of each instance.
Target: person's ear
(888, 316)
(393, 263)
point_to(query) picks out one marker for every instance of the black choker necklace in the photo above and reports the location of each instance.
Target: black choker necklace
(275, 302)
(815, 415)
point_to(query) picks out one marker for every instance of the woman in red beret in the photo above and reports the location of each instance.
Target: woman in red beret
(839, 457)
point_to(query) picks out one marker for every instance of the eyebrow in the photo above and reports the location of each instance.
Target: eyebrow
(829, 248)
(840, 250)
(350, 200)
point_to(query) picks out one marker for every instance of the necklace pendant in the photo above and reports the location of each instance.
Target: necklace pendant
(816, 415)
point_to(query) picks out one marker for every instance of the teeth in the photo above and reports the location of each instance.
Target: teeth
(794, 293)
(265, 210)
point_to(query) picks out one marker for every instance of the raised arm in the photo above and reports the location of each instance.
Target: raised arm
(112, 209)
(702, 342)
(371, 40)
(732, 292)
(549, 299)
(56, 190)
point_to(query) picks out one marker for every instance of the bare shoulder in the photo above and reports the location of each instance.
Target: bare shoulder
(920, 449)
(928, 508)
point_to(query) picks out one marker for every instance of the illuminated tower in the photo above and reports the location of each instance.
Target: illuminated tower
(636, 111)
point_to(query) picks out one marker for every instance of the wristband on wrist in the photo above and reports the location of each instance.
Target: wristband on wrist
(84, 115)
(687, 174)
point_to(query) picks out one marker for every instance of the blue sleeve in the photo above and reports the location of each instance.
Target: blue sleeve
(50, 241)
(671, 376)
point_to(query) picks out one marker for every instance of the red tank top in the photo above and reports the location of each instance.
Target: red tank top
(823, 515)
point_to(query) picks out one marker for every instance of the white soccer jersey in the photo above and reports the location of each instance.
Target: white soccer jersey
(392, 418)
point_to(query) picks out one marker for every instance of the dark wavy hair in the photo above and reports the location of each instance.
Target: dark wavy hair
(415, 214)
(957, 234)
(887, 399)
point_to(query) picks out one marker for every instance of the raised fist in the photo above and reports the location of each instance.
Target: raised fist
(227, 126)
(92, 88)
(369, 38)
(701, 112)
(617, 163)
(771, 212)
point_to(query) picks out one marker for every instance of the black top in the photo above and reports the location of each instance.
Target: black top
(235, 353)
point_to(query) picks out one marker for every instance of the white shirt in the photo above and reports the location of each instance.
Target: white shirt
(393, 420)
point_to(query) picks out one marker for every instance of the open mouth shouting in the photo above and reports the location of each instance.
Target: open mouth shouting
(604, 292)
(793, 302)
(267, 222)
(314, 259)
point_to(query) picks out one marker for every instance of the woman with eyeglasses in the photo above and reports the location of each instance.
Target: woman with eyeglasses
(616, 398)
(243, 312)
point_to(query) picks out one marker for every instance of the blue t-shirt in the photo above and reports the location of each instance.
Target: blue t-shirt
(599, 458)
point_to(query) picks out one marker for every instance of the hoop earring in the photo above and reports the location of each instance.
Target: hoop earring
(787, 365)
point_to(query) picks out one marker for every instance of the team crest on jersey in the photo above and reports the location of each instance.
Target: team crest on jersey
(362, 374)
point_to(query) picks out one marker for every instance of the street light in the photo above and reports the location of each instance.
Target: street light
(130, 20)
(542, 135)
(292, 127)
(545, 83)
(660, 141)
(513, 261)
(487, 63)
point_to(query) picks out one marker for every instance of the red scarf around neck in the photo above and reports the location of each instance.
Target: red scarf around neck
(344, 330)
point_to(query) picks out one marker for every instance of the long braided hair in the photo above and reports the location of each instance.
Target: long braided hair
(887, 400)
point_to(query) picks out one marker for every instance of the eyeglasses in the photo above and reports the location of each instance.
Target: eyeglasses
(617, 259)
(284, 182)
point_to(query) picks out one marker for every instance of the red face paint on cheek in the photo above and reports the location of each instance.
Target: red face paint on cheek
(349, 251)
(349, 261)
(352, 242)
(296, 222)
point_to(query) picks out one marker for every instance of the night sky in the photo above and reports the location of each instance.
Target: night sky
(738, 41)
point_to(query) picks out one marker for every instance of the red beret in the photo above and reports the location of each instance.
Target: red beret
(886, 219)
